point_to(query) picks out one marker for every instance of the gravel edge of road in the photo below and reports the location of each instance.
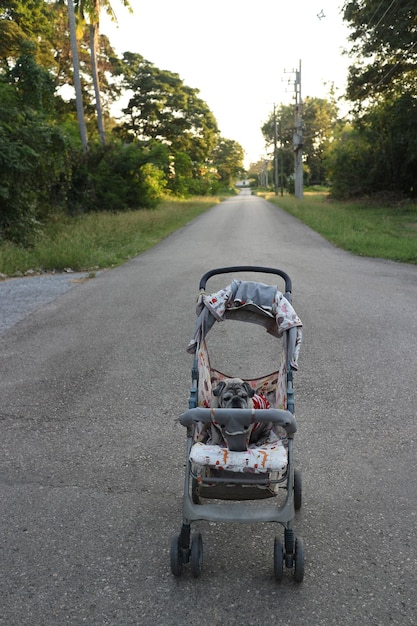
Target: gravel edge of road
(19, 297)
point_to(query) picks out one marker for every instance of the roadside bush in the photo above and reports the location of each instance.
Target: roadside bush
(116, 177)
(180, 175)
(206, 182)
(377, 153)
(349, 165)
(33, 172)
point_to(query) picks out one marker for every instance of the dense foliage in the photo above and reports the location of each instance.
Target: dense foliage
(378, 150)
(383, 36)
(374, 149)
(167, 139)
(319, 122)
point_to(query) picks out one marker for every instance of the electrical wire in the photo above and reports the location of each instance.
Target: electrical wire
(394, 66)
(384, 14)
(374, 26)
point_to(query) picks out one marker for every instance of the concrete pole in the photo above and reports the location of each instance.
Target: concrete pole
(298, 137)
(275, 153)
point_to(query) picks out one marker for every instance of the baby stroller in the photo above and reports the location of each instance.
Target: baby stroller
(227, 463)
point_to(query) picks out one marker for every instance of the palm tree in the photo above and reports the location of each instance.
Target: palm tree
(77, 79)
(92, 9)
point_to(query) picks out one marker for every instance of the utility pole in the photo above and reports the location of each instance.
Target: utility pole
(275, 154)
(298, 136)
(281, 150)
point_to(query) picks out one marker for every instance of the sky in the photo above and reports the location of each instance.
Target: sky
(241, 55)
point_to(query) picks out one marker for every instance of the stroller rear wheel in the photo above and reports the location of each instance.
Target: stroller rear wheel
(196, 556)
(299, 560)
(278, 560)
(297, 490)
(176, 556)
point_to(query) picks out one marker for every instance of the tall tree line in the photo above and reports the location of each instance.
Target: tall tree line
(374, 149)
(377, 152)
(60, 148)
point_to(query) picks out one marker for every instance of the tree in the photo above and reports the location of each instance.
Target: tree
(77, 79)
(383, 34)
(228, 157)
(381, 85)
(22, 21)
(349, 163)
(33, 149)
(162, 108)
(91, 9)
(284, 119)
(378, 152)
(319, 121)
(64, 73)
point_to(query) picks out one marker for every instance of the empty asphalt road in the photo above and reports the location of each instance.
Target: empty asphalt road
(92, 459)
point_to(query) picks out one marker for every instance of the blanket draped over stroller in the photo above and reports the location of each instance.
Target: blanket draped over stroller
(261, 304)
(263, 301)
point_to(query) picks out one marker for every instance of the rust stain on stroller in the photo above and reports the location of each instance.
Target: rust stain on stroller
(238, 455)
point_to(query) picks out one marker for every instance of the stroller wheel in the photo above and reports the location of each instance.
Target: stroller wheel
(176, 555)
(299, 560)
(196, 557)
(194, 492)
(297, 490)
(278, 560)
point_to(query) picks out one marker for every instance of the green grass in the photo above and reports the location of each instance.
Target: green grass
(363, 228)
(100, 240)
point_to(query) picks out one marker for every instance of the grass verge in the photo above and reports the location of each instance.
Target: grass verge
(363, 228)
(100, 240)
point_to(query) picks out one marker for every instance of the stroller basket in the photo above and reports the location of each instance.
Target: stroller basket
(235, 455)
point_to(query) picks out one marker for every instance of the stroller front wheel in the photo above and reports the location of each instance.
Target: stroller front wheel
(299, 560)
(278, 560)
(196, 556)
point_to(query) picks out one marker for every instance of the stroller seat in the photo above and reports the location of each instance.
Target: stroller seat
(261, 449)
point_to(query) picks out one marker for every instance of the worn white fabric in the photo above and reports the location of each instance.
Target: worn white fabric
(267, 298)
(270, 457)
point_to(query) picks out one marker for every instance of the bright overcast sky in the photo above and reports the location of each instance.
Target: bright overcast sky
(239, 54)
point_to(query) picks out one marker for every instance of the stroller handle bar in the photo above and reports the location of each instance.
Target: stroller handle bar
(246, 268)
(236, 418)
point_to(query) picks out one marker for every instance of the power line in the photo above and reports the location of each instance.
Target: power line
(384, 14)
(375, 12)
(374, 26)
(385, 76)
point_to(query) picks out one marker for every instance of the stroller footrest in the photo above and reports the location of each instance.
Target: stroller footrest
(235, 480)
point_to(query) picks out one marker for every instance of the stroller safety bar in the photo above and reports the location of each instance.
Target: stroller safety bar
(248, 268)
(238, 420)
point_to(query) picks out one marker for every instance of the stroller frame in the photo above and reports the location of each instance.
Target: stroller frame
(186, 549)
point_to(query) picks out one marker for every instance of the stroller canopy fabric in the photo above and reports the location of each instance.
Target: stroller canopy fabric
(265, 303)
